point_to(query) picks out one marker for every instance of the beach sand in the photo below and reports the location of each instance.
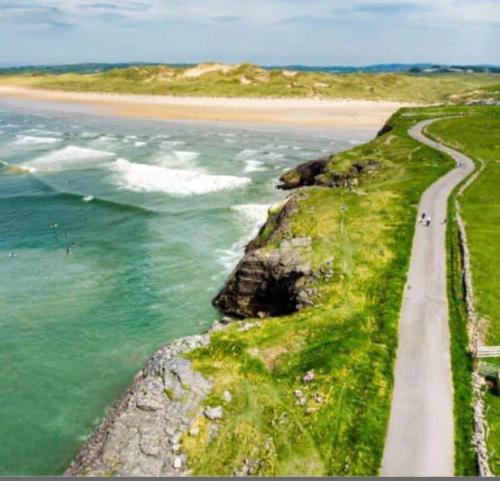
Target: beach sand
(341, 113)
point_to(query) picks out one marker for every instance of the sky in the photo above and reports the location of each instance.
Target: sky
(266, 32)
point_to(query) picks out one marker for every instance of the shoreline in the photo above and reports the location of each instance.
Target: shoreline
(338, 113)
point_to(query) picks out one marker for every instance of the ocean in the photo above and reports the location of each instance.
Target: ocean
(115, 234)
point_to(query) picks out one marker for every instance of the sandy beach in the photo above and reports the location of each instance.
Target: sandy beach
(342, 113)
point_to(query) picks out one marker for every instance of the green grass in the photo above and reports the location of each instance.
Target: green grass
(349, 339)
(478, 135)
(251, 81)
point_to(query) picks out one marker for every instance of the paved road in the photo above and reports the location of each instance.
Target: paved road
(420, 438)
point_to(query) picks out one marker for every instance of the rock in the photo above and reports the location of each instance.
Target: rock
(249, 325)
(214, 413)
(143, 431)
(226, 396)
(301, 401)
(265, 283)
(309, 376)
(304, 174)
(385, 129)
(321, 172)
(318, 398)
(298, 393)
(193, 432)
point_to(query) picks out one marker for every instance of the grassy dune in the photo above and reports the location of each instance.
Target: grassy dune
(349, 339)
(478, 135)
(251, 81)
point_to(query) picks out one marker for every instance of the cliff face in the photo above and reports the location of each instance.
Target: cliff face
(266, 283)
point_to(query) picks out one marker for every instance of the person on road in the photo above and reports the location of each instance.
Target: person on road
(428, 221)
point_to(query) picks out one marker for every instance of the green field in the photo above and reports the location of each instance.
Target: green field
(349, 339)
(251, 81)
(478, 135)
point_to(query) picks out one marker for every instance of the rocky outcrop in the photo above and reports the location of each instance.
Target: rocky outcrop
(141, 435)
(322, 172)
(268, 282)
(388, 127)
(304, 174)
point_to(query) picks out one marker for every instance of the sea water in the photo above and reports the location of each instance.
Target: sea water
(115, 235)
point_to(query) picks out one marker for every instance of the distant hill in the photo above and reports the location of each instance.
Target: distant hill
(418, 83)
(414, 68)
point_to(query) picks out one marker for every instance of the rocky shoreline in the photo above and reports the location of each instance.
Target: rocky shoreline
(143, 432)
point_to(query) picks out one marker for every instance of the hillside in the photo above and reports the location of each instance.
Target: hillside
(246, 80)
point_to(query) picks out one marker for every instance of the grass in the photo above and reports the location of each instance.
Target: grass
(478, 135)
(349, 339)
(251, 81)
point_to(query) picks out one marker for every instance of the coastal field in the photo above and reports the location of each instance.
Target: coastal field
(247, 80)
(335, 424)
(478, 135)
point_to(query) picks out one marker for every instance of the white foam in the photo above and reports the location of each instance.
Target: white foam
(140, 143)
(178, 158)
(88, 198)
(155, 178)
(275, 155)
(252, 165)
(228, 258)
(69, 157)
(254, 214)
(34, 140)
(246, 154)
(172, 143)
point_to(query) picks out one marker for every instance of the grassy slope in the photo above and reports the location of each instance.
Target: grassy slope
(251, 81)
(479, 137)
(349, 339)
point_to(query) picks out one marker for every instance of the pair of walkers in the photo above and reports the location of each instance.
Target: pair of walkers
(425, 219)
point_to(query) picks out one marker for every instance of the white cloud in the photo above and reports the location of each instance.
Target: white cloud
(453, 12)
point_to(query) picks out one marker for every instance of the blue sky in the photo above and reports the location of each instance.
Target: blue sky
(313, 32)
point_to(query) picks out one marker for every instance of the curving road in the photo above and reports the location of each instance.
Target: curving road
(420, 437)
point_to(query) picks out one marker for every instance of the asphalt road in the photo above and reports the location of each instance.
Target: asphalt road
(420, 438)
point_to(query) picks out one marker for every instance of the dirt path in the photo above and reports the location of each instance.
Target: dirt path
(420, 438)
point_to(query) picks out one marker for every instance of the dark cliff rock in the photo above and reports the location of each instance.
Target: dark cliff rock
(385, 129)
(272, 277)
(304, 174)
(321, 173)
(265, 283)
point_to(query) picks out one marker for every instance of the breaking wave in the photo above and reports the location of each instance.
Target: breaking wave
(180, 182)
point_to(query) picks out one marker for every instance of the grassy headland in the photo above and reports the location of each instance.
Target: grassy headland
(246, 80)
(335, 424)
(478, 135)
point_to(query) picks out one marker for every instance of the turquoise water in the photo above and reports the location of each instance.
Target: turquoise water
(114, 237)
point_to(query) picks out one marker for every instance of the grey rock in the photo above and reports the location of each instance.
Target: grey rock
(309, 376)
(214, 413)
(227, 397)
(141, 435)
